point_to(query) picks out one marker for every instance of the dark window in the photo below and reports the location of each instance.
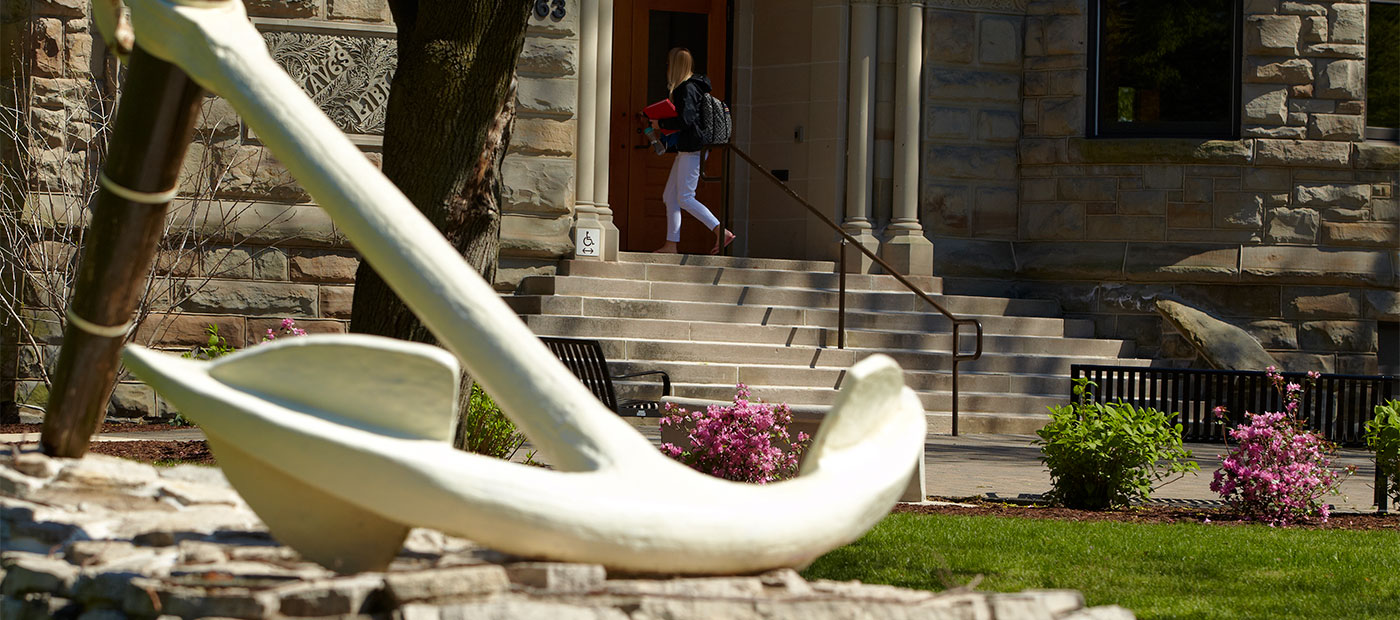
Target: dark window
(1388, 353)
(1159, 69)
(1383, 70)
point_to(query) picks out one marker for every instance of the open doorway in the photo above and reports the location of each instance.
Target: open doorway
(643, 32)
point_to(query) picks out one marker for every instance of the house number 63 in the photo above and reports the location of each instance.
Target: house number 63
(543, 10)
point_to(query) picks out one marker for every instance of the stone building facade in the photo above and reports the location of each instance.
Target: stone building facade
(950, 135)
(1289, 231)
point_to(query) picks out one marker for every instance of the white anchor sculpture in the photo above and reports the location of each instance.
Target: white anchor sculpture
(341, 443)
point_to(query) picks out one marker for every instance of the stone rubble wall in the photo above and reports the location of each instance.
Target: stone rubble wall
(101, 537)
(1291, 231)
(261, 250)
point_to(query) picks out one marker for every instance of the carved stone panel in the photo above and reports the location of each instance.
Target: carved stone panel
(347, 74)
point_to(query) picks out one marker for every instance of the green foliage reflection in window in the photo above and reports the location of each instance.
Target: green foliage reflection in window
(1383, 66)
(1166, 68)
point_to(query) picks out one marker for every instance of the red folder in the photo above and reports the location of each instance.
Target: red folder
(659, 110)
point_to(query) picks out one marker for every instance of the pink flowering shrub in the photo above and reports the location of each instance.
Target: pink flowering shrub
(1279, 471)
(744, 442)
(289, 328)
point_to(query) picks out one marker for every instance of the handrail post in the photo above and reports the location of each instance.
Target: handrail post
(841, 309)
(956, 361)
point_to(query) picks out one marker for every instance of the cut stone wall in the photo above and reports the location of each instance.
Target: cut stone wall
(790, 85)
(1290, 231)
(538, 174)
(972, 116)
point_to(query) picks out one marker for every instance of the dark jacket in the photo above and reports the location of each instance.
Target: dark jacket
(686, 97)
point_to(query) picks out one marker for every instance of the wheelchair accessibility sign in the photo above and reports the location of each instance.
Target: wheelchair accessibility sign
(588, 241)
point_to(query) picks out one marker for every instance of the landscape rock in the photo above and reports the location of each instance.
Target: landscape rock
(1221, 344)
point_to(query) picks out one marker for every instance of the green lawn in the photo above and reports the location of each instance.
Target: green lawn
(1158, 571)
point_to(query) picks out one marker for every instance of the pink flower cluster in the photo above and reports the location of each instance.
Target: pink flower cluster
(289, 328)
(1279, 471)
(745, 442)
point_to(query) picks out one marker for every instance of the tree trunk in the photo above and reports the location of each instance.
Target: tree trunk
(448, 123)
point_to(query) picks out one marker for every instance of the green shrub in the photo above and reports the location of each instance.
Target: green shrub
(1105, 455)
(486, 430)
(1383, 438)
(216, 347)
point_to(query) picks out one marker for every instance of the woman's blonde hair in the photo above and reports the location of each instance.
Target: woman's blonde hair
(678, 66)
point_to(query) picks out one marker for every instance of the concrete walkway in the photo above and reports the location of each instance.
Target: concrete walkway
(185, 434)
(999, 466)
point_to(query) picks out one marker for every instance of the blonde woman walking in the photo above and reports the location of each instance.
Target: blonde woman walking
(686, 90)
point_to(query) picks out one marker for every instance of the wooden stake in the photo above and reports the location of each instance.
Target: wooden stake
(151, 133)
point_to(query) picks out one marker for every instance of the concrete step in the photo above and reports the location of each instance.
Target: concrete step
(786, 315)
(767, 375)
(602, 327)
(700, 274)
(714, 321)
(766, 295)
(736, 262)
(937, 402)
(926, 322)
(732, 353)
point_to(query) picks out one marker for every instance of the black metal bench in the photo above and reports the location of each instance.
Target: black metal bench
(1338, 405)
(585, 359)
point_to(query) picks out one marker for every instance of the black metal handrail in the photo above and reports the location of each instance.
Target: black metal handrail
(847, 239)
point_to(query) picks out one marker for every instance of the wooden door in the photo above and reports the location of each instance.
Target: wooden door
(644, 31)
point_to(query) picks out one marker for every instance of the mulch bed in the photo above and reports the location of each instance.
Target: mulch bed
(107, 427)
(194, 452)
(1137, 514)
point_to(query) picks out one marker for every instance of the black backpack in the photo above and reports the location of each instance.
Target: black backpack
(715, 125)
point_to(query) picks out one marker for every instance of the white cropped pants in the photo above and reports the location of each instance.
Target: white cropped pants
(680, 194)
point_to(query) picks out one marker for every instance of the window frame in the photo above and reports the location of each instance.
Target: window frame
(1202, 130)
(1369, 132)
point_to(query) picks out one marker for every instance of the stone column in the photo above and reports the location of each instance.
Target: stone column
(585, 213)
(602, 149)
(905, 247)
(885, 71)
(859, 134)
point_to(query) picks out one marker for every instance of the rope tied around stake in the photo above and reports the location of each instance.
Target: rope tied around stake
(145, 198)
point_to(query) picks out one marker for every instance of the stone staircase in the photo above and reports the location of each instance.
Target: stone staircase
(712, 322)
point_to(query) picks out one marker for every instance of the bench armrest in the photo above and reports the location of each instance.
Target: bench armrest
(665, 379)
